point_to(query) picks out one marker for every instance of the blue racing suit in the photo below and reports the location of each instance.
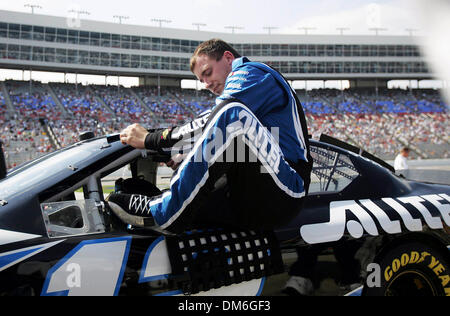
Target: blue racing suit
(247, 163)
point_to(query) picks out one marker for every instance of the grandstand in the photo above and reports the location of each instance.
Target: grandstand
(367, 114)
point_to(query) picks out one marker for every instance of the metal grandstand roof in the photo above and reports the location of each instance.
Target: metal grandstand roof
(297, 56)
(129, 29)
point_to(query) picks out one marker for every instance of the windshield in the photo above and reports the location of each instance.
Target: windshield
(23, 178)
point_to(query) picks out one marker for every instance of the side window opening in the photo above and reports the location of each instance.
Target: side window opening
(332, 171)
(80, 194)
(108, 182)
(145, 172)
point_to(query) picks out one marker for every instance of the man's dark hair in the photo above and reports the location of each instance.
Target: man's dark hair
(213, 48)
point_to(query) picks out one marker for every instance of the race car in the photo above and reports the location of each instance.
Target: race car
(59, 237)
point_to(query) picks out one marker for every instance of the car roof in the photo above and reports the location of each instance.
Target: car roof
(55, 167)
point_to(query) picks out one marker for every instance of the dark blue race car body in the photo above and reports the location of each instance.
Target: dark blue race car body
(54, 242)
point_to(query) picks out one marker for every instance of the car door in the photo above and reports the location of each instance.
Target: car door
(69, 248)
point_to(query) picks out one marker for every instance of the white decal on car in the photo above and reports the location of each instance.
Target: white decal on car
(366, 210)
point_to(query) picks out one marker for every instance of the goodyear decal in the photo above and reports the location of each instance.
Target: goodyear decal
(413, 257)
(372, 217)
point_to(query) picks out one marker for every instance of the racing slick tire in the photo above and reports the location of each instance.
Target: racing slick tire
(412, 268)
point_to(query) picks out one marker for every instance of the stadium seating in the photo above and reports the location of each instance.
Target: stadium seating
(167, 106)
(120, 101)
(23, 140)
(32, 100)
(196, 101)
(80, 101)
(327, 101)
(380, 122)
(2, 106)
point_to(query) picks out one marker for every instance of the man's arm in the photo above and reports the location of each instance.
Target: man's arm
(180, 138)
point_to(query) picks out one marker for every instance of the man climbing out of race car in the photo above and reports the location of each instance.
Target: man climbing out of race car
(248, 163)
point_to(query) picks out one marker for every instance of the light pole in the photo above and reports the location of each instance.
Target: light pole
(270, 28)
(411, 31)
(233, 28)
(342, 29)
(306, 29)
(32, 6)
(198, 25)
(377, 30)
(161, 21)
(121, 17)
(79, 12)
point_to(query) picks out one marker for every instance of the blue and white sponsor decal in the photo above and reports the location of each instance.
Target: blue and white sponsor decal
(156, 264)
(93, 268)
(356, 292)
(9, 237)
(11, 258)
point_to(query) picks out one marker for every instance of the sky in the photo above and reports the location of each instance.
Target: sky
(287, 16)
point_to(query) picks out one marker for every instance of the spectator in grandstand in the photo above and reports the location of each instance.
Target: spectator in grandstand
(401, 161)
(375, 122)
(210, 188)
